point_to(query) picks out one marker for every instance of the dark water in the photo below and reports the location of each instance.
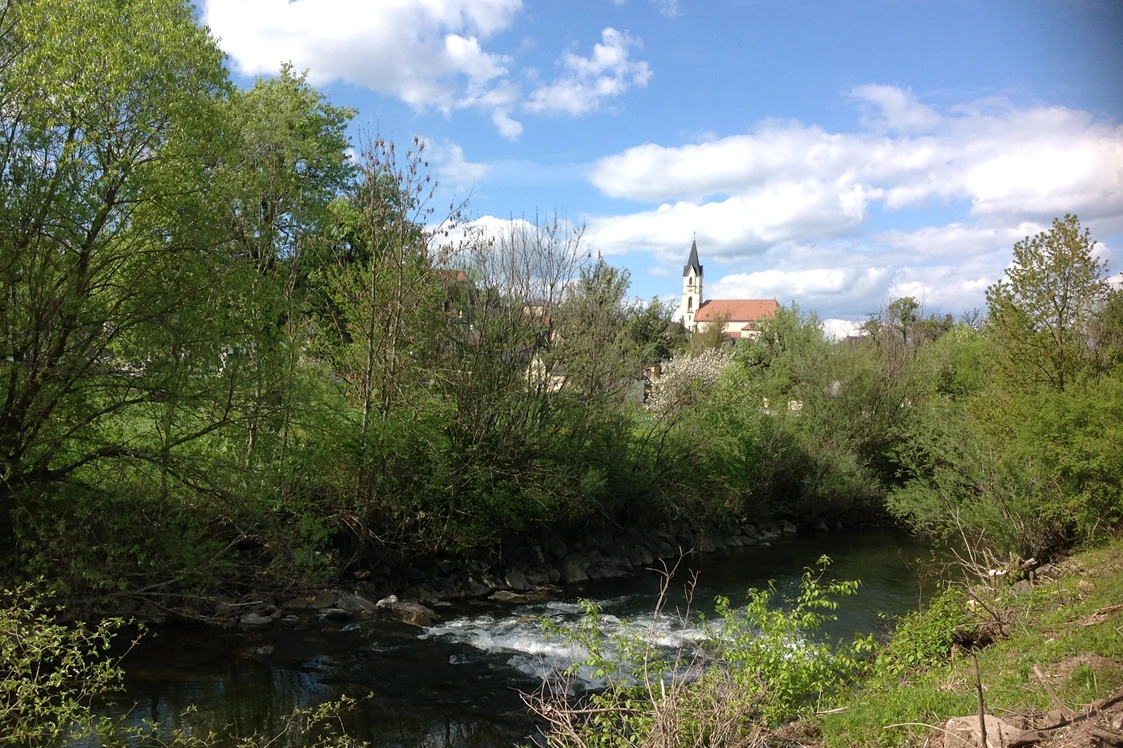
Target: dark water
(458, 683)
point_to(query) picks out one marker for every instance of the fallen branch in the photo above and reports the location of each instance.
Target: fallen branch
(1065, 711)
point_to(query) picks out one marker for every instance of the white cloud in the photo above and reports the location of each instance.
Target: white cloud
(668, 8)
(837, 329)
(427, 53)
(1018, 164)
(795, 201)
(413, 50)
(587, 81)
(450, 165)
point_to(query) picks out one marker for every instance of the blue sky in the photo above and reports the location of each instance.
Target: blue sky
(836, 154)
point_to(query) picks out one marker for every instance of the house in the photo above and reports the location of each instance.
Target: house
(742, 315)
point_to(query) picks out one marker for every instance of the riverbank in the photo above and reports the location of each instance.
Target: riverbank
(1057, 652)
(410, 589)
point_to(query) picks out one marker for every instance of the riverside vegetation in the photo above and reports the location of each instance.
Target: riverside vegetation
(234, 358)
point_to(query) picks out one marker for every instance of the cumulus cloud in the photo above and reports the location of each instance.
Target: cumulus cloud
(796, 202)
(427, 53)
(586, 82)
(451, 166)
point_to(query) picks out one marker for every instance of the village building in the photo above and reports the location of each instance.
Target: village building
(741, 315)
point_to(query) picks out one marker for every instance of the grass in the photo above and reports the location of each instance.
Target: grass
(1053, 627)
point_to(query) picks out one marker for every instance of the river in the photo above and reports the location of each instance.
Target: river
(457, 683)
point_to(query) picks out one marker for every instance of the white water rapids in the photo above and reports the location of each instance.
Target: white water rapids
(522, 635)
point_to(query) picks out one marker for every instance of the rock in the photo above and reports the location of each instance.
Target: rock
(413, 613)
(537, 555)
(706, 544)
(764, 544)
(291, 620)
(255, 619)
(1086, 585)
(1022, 587)
(537, 576)
(354, 603)
(506, 596)
(264, 651)
(572, 568)
(963, 732)
(1047, 571)
(821, 526)
(516, 580)
(334, 614)
(606, 568)
(787, 528)
(553, 545)
(386, 602)
(313, 601)
(769, 534)
(638, 555)
(475, 588)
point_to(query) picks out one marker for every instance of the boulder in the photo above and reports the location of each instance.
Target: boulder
(386, 602)
(572, 568)
(413, 613)
(516, 580)
(254, 618)
(313, 600)
(706, 544)
(334, 614)
(354, 603)
(787, 528)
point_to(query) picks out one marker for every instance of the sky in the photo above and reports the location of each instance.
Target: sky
(834, 154)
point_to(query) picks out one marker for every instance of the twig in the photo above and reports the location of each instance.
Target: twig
(1065, 711)
(982, 705)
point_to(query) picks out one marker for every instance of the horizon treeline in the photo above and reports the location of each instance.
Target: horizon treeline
(234, 350)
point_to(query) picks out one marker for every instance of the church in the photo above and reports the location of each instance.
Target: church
(696, 313)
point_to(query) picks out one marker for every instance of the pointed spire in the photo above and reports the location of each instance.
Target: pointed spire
(693, 261)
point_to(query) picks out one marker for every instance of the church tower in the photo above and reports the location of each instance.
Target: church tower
(691, 288)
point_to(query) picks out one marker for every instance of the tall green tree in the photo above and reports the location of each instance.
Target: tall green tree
(1040, 312)
(107, 257)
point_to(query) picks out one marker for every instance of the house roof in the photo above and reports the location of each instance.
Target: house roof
(739, 310)
(692, 261)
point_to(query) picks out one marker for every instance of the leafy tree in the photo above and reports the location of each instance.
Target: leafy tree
(712, 336)
(107, 265)
(1040, 313)
(652, 328)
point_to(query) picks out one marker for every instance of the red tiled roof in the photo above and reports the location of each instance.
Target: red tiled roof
(739, 310)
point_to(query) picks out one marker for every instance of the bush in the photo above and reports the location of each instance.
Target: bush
(49, 673)
(925, 637)
(760, 666)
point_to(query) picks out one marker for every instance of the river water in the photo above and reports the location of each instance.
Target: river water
(457, 683)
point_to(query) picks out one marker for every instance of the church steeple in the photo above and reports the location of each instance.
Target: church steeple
(691, 288)
(692, 262)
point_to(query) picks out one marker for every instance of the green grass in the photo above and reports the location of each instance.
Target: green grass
(1081, 662)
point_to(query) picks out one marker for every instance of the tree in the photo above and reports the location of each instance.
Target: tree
(1040, 313)
(107, 262)
(712, 336)
(653, 329)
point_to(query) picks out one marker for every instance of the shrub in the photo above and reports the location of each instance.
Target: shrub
(761, 665)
